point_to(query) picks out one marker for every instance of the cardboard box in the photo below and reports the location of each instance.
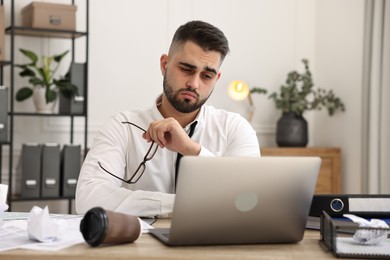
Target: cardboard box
(2, 33)
(49, 16)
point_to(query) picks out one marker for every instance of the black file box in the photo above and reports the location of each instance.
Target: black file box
(71, 164)
(31, 170)
(75, 105)
(3, 114)
(50, 185)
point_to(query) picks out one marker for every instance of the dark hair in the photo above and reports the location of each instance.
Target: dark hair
(207, 36)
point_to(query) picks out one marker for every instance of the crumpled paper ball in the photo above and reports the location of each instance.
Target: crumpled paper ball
(42, 227)
(367, 236)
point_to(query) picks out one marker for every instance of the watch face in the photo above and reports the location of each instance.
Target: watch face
(337, 205)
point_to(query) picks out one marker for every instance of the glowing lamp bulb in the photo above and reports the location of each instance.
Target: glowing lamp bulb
(238, 90)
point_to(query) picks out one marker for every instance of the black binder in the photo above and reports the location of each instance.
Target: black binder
(31, 170)
(364, 205)
(75, 105)
(3, 114)
(70, 169)
(50, 186)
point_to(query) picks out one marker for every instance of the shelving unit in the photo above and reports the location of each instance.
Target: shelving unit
(14, 31)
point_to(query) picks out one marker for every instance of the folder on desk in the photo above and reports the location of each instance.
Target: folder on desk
(364, 205)
(31, 170)
(75, 105)
(50, 186)
(70, 169)
(3, 114)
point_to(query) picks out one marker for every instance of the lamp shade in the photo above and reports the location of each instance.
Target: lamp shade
(238, 90)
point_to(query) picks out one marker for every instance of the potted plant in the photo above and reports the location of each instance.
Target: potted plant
(41, 77)
(295, 97)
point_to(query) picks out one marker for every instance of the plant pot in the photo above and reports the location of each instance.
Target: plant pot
(291, 130)
(40, 101)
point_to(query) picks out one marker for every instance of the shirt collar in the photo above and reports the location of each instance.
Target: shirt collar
(155, 112)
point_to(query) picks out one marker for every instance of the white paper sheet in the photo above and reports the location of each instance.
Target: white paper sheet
(13, 234)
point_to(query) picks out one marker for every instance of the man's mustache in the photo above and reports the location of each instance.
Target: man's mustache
(189, 90)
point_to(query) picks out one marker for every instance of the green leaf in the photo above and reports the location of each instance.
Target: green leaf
(46, 68)
(67, 89)
(23, 93)
(50, 95)
(258, 90)
(27, 72)
(45, 76)
(36, 82)
(29, 54)
(58, 58)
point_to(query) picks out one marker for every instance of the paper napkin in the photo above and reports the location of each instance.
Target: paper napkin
(43, 228)
(3, 200)
(366, 236)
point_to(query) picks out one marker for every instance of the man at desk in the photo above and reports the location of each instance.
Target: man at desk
(131, 166)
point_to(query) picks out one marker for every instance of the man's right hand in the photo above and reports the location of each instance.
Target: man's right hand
(168, 133)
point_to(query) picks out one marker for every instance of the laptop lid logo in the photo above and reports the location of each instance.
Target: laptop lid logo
(246, 201)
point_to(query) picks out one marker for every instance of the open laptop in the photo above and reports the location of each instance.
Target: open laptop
(241, 200)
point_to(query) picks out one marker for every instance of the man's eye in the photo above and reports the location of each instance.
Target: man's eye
(208, 76)
(185, 69)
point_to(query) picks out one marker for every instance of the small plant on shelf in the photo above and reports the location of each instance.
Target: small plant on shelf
(41, 75)
(297, 94)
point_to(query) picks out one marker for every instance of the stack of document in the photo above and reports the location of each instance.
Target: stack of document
(13, 232)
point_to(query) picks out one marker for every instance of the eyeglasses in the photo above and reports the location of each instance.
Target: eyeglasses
(142, 166)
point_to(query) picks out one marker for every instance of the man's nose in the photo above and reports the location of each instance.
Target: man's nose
(194, 81)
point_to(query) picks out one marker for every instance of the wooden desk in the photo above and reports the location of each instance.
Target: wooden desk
(147, 247)
(329, 177)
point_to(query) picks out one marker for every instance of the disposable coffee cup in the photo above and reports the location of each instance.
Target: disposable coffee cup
(100, 226)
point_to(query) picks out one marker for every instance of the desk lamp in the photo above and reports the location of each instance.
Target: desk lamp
(239, 90)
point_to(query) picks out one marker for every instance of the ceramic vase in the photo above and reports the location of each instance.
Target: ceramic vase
(291, 130)
(39, 100)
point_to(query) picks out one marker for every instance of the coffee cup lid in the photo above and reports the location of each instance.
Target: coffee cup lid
(94, 225)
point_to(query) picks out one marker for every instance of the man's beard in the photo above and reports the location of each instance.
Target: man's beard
(183, 106)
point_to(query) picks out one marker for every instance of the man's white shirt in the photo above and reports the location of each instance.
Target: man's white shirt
(120, 148)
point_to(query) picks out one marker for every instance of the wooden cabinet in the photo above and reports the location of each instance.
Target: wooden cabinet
(329, 177)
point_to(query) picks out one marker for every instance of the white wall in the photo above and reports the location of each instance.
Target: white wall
(338, 59)
(268, 38)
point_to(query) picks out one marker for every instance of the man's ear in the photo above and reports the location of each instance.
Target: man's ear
(163, 63)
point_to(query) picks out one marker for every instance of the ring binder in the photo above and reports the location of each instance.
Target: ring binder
(358, 204)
